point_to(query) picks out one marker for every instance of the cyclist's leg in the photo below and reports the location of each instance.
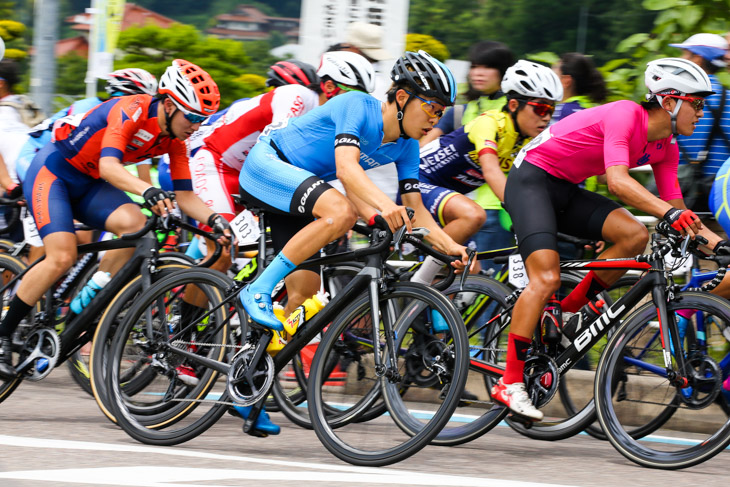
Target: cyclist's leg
(104, 206)
(591, 214)
(278, 186)
(459, 216)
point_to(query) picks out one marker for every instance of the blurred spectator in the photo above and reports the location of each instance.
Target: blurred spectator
(366, 40)
(583, 84)
(703, 153)
(489, 61)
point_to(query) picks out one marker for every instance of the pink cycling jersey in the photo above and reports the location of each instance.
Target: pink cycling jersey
(590, 141)
(233, 136)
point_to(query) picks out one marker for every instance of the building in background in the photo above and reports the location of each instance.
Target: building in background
(247, 23)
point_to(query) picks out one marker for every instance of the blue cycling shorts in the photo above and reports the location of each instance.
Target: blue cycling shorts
(56, 193)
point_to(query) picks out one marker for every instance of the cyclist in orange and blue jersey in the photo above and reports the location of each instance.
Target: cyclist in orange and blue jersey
(81, 175)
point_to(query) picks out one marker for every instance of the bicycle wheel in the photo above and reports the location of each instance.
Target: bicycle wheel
(289, 390)
(10, 267)
(578, 408)
(433, 380)
(149, 398)
(631, 385)
(105, 330)
(482, 304)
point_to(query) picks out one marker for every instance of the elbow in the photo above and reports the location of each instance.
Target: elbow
(615, 188)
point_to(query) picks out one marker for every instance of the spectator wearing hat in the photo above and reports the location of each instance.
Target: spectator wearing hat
(364, 39)
(709, 146)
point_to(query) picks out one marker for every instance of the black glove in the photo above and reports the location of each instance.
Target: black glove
(680, 219)
(153, 195)
(219, 224)
(14, 191)
(722, 247)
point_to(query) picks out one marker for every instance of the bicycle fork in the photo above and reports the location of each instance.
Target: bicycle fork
(669, 334)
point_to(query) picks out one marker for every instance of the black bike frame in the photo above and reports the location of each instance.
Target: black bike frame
(654, 282)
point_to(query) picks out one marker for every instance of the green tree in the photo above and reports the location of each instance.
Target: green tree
(12, 33)
(71, 70)
(224, 59)
(436, 48)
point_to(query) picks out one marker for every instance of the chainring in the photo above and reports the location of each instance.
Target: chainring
(541, 379)
(248, 383)
(39, 354)
(705, 381)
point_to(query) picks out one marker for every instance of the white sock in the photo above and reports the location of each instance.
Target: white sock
(428, 270)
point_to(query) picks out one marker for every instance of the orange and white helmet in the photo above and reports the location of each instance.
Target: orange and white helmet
(191, 89)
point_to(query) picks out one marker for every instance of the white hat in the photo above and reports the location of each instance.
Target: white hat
(710, 46)
(369, 39)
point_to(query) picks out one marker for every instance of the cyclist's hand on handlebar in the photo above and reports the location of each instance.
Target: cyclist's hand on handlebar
(221, 229)
(14, 191)
(683, 221)
(722, 247)
(157, 200)
(396, 216)
(460, 251)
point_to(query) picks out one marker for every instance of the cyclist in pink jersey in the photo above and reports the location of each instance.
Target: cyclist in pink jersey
(542, 197)
(216, 165)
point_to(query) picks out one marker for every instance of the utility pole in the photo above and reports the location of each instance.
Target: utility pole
(580, 43)
(43, 64)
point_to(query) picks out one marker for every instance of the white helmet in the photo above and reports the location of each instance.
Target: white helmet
(2, 48)
(347, 68)
(190, 88)
(680, 75)
(131, 81)
(532, 80)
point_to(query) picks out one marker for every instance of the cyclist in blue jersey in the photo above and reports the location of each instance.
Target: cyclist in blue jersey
(286, 173)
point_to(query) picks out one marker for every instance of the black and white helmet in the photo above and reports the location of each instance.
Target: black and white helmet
(131, 81)
(347, 68)
(675, 74)
(426, 75)
(532, 80)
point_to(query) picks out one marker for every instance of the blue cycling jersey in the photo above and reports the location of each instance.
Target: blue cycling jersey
(353, 118)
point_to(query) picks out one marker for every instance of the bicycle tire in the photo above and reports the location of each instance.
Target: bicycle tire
(287, 399)
(475, 417)
(340, 434)
(579, 416)
(175, 417)
(9, 267)
(629, 364)
(111, 318)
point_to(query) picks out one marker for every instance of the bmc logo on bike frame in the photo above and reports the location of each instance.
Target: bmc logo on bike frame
(593, 331)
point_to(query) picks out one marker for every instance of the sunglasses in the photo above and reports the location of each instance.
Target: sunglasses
(541, 109)
(194, 117)
(697, 103)
(346, 88)
(432, 108)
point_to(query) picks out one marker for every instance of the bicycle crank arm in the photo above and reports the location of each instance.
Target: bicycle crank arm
(221, 367)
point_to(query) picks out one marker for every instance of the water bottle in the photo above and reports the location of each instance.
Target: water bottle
(552, 321)
(305, 312)
(586, 315)
(82, 300)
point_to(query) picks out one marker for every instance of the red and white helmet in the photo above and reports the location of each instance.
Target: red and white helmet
(190, 88)
(131, 81)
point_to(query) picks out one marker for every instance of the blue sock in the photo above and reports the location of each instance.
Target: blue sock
(279, 268)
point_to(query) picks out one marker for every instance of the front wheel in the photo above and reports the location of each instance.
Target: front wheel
(632, 386)
(419, 381)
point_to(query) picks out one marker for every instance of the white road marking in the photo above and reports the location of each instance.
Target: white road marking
(136, 476)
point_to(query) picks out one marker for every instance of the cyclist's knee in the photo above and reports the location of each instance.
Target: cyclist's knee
(545, 283)
(341, 215)
(58, 262)
(634, 238)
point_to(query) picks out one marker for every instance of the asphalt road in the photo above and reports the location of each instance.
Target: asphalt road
(52, 434)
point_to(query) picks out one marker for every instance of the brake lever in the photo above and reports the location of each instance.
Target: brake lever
(685, 245)
(471, 254)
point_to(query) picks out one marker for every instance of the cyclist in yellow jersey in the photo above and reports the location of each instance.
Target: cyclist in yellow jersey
(483, 151)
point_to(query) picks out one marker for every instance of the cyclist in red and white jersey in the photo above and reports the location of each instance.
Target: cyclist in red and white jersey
(216, 165)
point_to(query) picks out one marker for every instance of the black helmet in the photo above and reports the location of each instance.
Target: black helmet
(426, 76)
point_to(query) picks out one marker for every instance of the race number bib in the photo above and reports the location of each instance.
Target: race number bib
(543, 136)
(31, 231)
(246, 228)
(517, 272)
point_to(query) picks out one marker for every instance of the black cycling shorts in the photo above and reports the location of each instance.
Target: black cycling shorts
(542, 205)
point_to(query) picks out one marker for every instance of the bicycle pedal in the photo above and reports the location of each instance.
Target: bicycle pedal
(523, 420)
(254, 432)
